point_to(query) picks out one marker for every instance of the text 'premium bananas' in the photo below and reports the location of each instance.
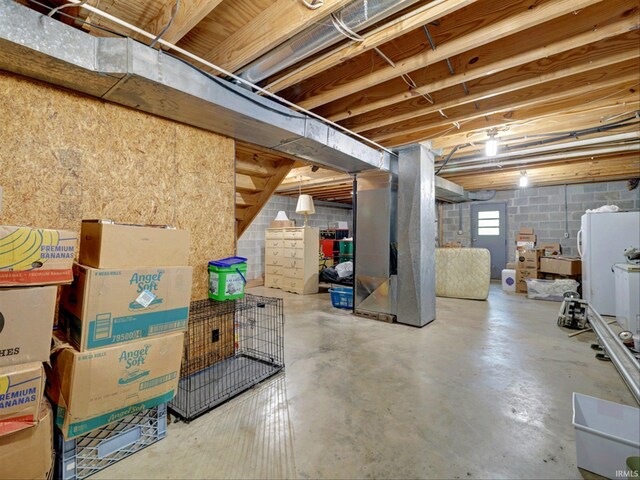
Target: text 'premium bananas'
(35, 255)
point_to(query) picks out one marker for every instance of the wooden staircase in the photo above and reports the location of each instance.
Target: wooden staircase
(259, 172)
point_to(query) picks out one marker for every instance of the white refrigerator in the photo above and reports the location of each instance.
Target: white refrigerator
(601, 243)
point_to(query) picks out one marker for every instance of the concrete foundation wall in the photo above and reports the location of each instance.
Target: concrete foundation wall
(251, 243)
(543, 208)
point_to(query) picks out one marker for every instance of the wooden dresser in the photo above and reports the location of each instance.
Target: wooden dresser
(291, 259)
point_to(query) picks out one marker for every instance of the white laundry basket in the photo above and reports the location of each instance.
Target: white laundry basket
(607, 434)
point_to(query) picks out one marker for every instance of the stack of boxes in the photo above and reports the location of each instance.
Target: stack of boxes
(541, 261)
(33, 262)
(124, 319)
(527, 258)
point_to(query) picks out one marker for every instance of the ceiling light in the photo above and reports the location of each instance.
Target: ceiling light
(524, 180)
(491, 147)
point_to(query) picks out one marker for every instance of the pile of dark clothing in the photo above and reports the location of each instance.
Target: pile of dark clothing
(333, 274)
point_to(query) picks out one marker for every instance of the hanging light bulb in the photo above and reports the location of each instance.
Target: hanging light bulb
(524, 180)
(491, 146)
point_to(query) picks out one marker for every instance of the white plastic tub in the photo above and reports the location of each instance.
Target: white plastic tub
(552, 290)
(607, 434)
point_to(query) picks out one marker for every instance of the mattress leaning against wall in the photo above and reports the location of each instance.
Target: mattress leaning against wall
(463, 273)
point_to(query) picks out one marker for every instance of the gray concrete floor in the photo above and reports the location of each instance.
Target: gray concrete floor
(483, 392)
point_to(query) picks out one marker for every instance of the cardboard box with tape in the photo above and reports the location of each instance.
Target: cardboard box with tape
(36, 256)
(21, 389)
(28, 454)
(521, 279)
(93, 389)
(528, 260)
(568, 266)
(105, 244)
(550, 249)
(26, 321)
(108, 307)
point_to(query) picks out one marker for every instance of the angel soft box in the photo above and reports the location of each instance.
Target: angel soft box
(93, 389)
(112, 306)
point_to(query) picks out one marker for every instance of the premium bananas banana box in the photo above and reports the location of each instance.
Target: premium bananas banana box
(96, 388)
(21, 389)
(105, 307)
(26, 322)
(36, 256)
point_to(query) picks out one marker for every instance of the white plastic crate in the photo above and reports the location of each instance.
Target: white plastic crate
(607, 436)
(88, 454)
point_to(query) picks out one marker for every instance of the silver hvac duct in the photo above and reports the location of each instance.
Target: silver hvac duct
(356, 16)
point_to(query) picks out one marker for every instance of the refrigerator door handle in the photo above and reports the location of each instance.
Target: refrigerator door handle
(579, 242)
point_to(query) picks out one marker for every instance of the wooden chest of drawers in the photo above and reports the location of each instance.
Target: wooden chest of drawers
(291, 259)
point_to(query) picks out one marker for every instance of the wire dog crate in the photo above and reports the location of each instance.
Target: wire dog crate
(229, 347)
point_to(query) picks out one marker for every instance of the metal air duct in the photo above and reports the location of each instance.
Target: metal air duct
(357, 16)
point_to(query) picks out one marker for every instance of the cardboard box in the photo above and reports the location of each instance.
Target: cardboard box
(93, 389)
(104, 244)
(527, 238)
(561, 266)
(26, 321)
(209, 340)
(282, 223)
(107, 307)
(21, 389)
(520, 246)
(511, 266)
(28, 453)
(526, 230)
(550, 249)
(521, 279)
(528, 260)
(36, 256)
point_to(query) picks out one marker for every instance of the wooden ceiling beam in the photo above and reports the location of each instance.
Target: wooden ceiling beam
(618, 167)
(585, 66)
(271, 27)
(578, 39)
(190, 13)
(504, 28)
(403, 134)
(392, 30)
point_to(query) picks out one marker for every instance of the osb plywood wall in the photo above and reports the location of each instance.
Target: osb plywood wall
(65, 157)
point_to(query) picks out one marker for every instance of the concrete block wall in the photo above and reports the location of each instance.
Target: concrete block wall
(251, 244)
(543, 208)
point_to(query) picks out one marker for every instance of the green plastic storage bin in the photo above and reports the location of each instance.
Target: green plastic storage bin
(227, 278)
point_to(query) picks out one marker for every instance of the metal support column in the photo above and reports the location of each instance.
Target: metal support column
(416, 236)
